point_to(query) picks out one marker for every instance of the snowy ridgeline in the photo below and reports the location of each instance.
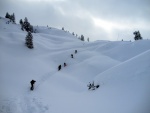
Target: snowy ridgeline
(121, 69)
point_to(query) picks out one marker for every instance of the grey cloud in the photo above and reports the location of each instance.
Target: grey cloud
(118, 9)
(76, 15)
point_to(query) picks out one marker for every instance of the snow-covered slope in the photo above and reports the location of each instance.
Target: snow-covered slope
(120, 68)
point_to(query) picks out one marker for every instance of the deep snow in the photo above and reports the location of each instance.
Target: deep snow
(122, 69)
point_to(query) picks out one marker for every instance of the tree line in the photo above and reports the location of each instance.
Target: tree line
(79, 37)
(25, 25)
(11, 17)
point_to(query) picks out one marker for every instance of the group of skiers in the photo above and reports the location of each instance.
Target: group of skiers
(90, 86)
(59, 67)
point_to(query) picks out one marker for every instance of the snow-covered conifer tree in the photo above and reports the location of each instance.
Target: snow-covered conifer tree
(82, 37)
(73, 33)
(7, 15)
(21, 22)
(13, 18)
(137, 35)
(88, 39)
(29, 40)
(26, 24)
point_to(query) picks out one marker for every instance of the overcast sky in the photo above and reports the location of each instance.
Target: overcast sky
(96, 19)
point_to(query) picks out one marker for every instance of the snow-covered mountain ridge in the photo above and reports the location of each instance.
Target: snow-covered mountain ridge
(122, 69)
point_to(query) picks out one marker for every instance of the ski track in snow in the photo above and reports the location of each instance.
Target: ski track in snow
(33, 104)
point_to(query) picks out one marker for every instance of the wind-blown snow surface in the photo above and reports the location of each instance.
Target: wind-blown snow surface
(122, 69)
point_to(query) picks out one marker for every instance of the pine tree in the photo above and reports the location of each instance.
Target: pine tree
(82, 37)
(13, 18)
(29, 40)
(7, 15)
(21, 22)
(137, 35)
(88, 39)
(26, 24)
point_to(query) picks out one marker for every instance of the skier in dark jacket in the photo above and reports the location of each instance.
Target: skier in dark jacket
(59, 67)
(71, 55)
(32, 84)
(75, 51)
(65, 64)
